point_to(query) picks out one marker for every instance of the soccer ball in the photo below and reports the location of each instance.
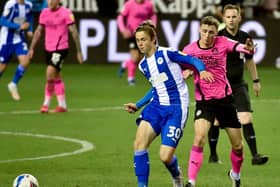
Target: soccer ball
(25, 180)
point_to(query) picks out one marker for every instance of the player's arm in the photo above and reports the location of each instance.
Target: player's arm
(198, 65)
(252, 68)
(133, 107)
(248, 47)
(75, 35)
(35, 39)
(5, 22)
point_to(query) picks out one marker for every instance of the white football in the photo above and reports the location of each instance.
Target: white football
(25, 180)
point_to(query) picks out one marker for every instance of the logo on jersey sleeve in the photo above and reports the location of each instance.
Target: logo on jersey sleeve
(72, 17)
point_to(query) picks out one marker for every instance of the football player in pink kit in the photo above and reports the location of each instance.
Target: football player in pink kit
(133, 13)
(57, 21)
(215, 99)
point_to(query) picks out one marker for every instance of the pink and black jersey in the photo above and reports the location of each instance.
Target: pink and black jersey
(56, 27)
(214, 59)
(134, 13)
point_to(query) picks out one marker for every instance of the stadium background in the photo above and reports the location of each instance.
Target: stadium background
(177, 26)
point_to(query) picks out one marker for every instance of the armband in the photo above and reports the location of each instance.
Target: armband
(256, 80)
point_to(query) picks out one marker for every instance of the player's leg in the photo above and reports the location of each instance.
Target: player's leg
(131, 71)
(51, 74)
(213, 137)
(171, 134)
(201, 128)
(242, 101)
(250, 137)
(236, 154)
(23, 58)
(227, 118)
(144, 136)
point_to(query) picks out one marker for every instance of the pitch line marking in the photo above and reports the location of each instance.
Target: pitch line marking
(110, 108)
(86, 146)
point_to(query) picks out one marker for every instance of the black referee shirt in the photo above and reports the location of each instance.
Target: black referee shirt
(235, 60)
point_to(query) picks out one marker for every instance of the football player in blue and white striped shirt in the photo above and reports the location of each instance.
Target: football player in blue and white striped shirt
(16, 19)
(167, 112)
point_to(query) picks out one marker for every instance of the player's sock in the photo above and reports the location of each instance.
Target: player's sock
(236, 161)
(173, 167)
(131, 69)
(49, 90)
(59, 89)
(18, 74)
(213, 136)
(250, 137)
(195, 162)
(142, 167)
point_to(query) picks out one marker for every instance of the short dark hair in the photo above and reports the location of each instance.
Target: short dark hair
(209, 20)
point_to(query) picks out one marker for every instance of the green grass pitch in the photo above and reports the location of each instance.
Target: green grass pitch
(95, 96)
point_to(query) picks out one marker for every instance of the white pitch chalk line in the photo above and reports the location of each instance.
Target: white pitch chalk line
(86, 146)
(110, 108)
(97, 109)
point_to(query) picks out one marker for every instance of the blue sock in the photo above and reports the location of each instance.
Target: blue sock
(18, 74)
(142, 167)
(173, 167)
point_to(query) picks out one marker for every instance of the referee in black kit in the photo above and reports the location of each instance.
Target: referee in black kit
(235, 69)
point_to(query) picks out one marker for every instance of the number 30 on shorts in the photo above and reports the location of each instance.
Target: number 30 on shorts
(174, 133)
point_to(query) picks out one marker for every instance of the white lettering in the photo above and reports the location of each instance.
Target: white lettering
(174, 38)
(89, 41)
(113, 55)
(258, 28)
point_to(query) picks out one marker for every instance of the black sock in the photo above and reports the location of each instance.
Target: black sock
(250, 137)
(213, 136)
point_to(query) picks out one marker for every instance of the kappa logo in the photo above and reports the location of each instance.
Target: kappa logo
(160, 60)
(198, 113)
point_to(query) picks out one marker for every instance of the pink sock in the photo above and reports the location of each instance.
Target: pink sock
(49, 90)
(131, 69)
(195, 162)
(236, 161)
(60, 92)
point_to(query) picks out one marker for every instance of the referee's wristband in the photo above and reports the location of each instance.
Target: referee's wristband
(256, 81)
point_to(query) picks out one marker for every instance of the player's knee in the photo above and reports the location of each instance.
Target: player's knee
(237, 148)
(139, 145)
(165, 157)
(199, 140)
(245, 117)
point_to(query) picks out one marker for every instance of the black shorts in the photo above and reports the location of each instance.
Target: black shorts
(222, 109)
(241, 97)
(56, 58)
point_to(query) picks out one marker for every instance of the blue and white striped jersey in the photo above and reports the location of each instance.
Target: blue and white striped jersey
(14, 14)
(165, 75)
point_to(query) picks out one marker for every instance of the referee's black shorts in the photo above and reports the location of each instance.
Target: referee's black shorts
(241, 97)
(222, 109)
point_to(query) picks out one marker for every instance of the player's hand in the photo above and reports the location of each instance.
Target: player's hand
(187, 74)
(30, 53)
(126, 34)
(249, 45)
(130, 108)
(29, 35)
(80, 57)
(24, 26)
(205, 75)
(257, 88)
